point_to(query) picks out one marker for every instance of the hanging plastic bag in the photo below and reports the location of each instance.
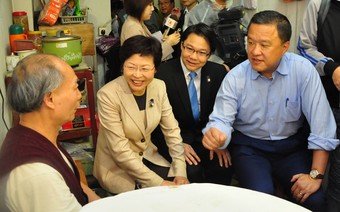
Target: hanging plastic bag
(105, 43)
(49, 15)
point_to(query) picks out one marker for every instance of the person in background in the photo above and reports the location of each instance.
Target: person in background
(197, 43)
(320, 44)
(154, 23)
(165, 9)
(130, 108)
(207, 12)
(36, 174)
(265, 101)
(182, 21)
(139, 11)
(188, 5)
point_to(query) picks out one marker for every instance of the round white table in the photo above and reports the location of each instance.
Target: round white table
(193, 197)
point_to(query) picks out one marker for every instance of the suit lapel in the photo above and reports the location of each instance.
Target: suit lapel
(130, 106)
(205, 89)
(182, 88)
(150, 107)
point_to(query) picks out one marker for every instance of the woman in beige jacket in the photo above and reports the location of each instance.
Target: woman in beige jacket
(130, 108)
(139, 11)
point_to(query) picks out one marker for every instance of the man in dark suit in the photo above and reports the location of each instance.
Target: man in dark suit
(197, 43)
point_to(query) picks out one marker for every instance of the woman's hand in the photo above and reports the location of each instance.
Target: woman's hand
(167, 183)
(172, 39)
(181, 180)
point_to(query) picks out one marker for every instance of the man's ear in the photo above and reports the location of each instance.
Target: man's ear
(286, 46)
(48, 100)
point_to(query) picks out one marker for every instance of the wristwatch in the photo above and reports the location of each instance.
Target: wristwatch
(314, 174)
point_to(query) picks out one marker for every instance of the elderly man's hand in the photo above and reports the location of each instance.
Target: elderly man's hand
(336, 77)
(213, 139)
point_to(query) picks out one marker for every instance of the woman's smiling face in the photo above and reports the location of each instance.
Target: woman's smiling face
(139, 71)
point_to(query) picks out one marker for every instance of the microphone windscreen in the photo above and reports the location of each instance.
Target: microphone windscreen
(171, 22)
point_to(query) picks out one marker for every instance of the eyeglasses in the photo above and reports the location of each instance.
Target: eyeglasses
(134, 68)
(190, 50)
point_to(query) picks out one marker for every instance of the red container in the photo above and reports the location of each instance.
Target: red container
(82, 120)
(20, 17)
(12, 39)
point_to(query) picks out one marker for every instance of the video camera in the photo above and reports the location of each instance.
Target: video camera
(230, 36)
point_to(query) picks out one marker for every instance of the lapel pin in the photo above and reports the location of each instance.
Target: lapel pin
(151, 102)
(208, 79)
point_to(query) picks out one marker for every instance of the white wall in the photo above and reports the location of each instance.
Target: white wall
(24, 5)
(5, 22)
(99, 14)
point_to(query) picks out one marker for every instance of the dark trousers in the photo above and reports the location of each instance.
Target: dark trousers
(333, 192)
(257, 162)
(208, 171)
(159, 170)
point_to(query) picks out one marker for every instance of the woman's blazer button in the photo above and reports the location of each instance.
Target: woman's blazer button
(143, 140)
(140, 153)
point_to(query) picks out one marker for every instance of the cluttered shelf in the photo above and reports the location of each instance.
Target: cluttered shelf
(84, 123)
(72, 134)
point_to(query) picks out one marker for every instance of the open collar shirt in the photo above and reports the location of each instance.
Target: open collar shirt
(197, 80)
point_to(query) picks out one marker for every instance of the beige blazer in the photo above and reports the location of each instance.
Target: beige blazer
(124, 138)
(132, 27)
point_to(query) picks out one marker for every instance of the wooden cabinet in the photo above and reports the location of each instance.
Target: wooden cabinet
(86, 131)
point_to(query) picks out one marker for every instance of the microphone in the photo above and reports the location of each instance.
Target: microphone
(170, 23)
(151, 102)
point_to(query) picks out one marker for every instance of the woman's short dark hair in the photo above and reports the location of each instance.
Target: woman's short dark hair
(202, 30)
(144, 46)
(282, 23)
(135, 8)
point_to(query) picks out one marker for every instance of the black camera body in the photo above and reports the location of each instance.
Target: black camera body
(230, 36)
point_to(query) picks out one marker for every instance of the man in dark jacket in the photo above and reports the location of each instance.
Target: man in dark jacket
(192, 83)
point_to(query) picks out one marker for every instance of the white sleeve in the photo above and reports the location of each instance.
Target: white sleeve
(308, 37)
(38, 187)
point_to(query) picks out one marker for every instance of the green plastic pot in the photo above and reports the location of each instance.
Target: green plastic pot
(67, 47)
